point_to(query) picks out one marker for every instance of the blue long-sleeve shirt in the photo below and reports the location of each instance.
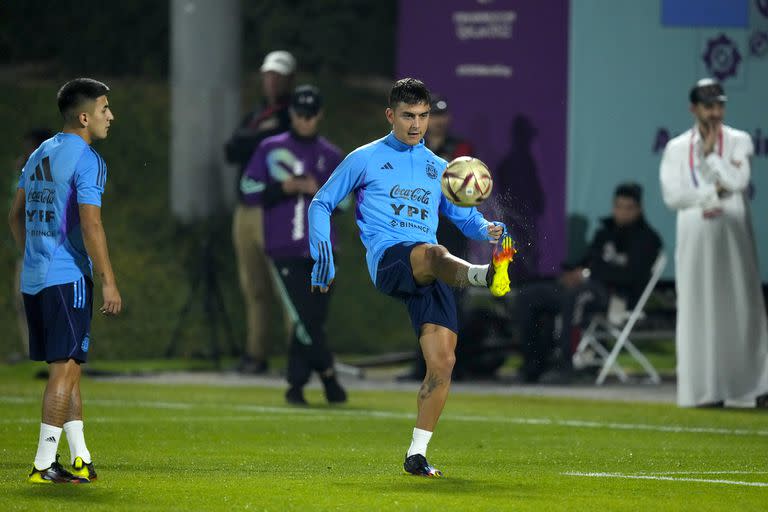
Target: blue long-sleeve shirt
(398, 193)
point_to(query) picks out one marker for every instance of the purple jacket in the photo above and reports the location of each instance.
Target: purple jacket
(283, 156)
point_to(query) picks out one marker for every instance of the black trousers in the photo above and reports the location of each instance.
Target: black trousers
(536, 305)
(308, 349)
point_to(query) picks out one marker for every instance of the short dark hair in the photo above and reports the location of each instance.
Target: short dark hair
(76, 92)
(409, 91)
(630, 190)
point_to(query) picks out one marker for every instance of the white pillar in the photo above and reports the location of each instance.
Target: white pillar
(205, 105)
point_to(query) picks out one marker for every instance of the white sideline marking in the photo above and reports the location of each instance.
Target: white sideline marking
(709, 473)
(668, 479)
(354, 414)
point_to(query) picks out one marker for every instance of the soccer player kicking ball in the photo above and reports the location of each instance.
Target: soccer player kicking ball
(56, 221)
(397, 183)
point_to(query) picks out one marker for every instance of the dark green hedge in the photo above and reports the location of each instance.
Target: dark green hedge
(154, 258)
(130, 38)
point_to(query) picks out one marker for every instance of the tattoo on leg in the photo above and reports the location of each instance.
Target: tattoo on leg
(431, 382)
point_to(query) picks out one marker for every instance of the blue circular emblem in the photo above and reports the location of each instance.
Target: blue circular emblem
(722, 57)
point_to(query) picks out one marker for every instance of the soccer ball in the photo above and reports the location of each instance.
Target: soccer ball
(466, 181)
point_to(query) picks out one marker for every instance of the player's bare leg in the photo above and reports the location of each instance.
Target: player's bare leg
(438, 344)
(75, 402)
(63, 377)
(430, 262)
(80, 457)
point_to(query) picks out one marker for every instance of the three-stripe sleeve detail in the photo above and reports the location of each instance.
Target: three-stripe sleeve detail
(324, 259)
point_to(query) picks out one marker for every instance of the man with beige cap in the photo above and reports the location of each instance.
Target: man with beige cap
(271, 118)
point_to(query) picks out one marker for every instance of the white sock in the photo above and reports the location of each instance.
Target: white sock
(477, 275)
(419, 442)
(47, 446)
(76, 440)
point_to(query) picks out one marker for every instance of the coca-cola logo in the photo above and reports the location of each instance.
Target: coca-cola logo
(45, 196)
(419, 195)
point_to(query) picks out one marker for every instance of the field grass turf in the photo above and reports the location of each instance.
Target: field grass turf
(161, 447)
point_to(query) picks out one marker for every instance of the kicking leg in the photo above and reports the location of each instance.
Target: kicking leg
(430, 262)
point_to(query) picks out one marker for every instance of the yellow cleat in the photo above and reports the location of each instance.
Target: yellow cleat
(56, 474)
(498, 273)
(83, 470)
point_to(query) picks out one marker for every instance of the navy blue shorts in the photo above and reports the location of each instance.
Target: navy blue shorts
(433, 303)
(59, 320)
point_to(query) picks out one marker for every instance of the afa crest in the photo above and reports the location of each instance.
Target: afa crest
(431, 170)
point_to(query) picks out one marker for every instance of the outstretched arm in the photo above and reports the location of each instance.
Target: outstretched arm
(471, 222)
(347, 177)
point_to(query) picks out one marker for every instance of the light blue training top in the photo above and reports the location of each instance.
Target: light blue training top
(63, 173)
(398, 193)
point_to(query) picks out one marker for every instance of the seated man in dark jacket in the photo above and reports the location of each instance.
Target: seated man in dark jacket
(618, 262)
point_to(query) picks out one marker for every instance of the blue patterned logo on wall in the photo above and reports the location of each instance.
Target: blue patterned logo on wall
(762, 6)
(722, 57)
(758, 43)
(85, 343)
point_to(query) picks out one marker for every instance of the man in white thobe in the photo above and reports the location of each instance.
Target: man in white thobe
(722, 336)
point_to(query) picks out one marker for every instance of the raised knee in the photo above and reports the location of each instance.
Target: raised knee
(435, 253)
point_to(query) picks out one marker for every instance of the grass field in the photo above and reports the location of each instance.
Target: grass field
(161, 447)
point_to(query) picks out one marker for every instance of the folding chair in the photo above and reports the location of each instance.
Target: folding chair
(618, 326)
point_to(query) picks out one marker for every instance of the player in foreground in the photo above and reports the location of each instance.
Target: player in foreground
(56, 220)
(397, 183)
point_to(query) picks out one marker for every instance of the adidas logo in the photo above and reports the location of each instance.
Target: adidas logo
(387, 166)
(42, 173)
(50, 439)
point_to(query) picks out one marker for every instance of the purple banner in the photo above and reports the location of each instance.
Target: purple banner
(503, 67)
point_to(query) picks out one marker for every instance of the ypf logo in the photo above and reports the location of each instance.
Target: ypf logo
(722, 57)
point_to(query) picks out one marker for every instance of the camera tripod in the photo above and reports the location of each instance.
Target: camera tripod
(205, 286)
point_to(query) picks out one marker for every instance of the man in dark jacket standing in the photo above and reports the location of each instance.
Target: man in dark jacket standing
(277, 74)
(617, 263)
